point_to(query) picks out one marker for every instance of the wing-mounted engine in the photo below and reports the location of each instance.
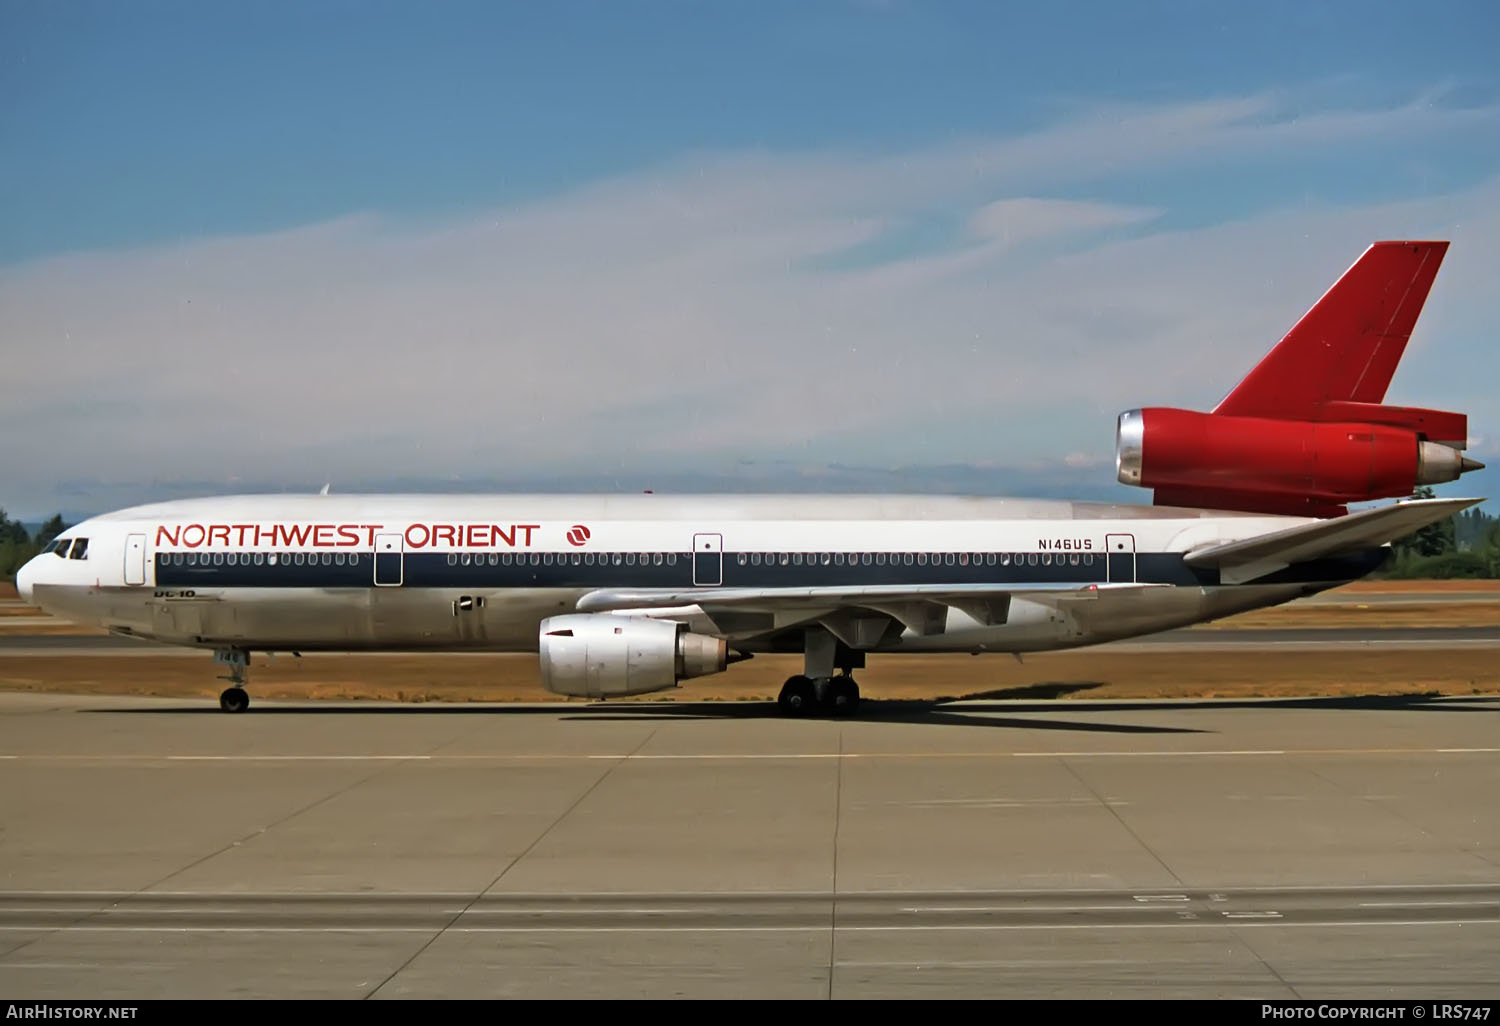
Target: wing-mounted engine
(599, 655)
(1306, 431)
(1264, 465)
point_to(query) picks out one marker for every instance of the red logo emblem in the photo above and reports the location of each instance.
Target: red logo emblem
(578, 534)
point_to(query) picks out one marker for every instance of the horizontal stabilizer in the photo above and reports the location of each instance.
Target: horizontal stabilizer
(1364, 530)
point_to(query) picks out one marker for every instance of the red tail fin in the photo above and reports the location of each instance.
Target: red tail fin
(1345, 349)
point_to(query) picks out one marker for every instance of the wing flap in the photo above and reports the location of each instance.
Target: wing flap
(835, 597)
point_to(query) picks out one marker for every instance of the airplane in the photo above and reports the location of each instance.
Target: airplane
(633, 594)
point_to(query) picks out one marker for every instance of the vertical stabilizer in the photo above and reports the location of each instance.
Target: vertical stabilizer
(1346, 348)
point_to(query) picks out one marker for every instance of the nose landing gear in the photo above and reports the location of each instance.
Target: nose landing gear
(234, 699)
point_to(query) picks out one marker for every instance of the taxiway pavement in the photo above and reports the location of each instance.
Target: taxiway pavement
(1314, 848)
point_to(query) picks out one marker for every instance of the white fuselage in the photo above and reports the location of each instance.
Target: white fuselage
(411, 572)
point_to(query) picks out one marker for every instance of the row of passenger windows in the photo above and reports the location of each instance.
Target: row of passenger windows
(562, 559)
(70, 548)
(258, 558)
(80, 546)
(916, 558)
(781, 559)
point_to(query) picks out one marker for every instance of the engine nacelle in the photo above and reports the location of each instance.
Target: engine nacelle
(602, 655)
(1335, 462)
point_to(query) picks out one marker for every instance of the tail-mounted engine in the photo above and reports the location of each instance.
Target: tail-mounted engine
(1288, 466)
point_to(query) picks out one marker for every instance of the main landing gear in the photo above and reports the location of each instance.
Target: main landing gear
(807, 696)
(818, 689)
(234, 699)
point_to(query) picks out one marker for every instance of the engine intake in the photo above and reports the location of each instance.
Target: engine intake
(600, 655)
(1334, 462)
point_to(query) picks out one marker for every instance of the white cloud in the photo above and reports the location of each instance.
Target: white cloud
(1026, 219)
(693, 315)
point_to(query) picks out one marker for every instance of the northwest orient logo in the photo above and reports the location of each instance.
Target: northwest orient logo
(578, 534)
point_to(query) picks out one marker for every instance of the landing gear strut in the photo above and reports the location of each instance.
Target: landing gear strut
(818, 689)
(234, 699)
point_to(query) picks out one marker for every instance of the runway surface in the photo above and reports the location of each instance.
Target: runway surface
(1227, 639)
(1285, 848)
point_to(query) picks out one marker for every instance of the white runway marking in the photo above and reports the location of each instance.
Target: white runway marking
(1427, 904)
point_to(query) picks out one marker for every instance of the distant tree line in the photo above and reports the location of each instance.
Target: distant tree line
(1466, 545)
(17, 545)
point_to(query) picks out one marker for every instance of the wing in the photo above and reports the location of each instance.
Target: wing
(861, 617)
(1245, 560)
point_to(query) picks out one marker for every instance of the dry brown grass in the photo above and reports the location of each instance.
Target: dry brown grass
(513, 678)
(1101, 673)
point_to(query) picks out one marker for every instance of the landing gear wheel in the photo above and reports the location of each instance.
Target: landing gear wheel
(797, 697)
(842, 696)
(234, 700)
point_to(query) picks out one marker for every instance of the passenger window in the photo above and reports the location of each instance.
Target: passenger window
(260, 558)
(921, 559)
(755, 559)
(453, 559)
(906, 558)
(656, 559)
(671, 559)
(232, 559)
(1031, 559)
(630, 559)
(1073, 559)
(948, 559)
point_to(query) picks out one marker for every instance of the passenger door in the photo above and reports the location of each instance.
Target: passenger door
(1120, 551)
(390, 559)
(708, 559)
(135, 559)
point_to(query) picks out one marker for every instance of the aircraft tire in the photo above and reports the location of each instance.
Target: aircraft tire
(843, 696)
(798, 697)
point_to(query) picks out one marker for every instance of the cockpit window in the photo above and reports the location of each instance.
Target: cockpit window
(60, 547)
(80, 549)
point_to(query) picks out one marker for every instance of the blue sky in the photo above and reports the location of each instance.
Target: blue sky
(726, 232)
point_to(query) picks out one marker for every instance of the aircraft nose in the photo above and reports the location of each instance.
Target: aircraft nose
(25, 578)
